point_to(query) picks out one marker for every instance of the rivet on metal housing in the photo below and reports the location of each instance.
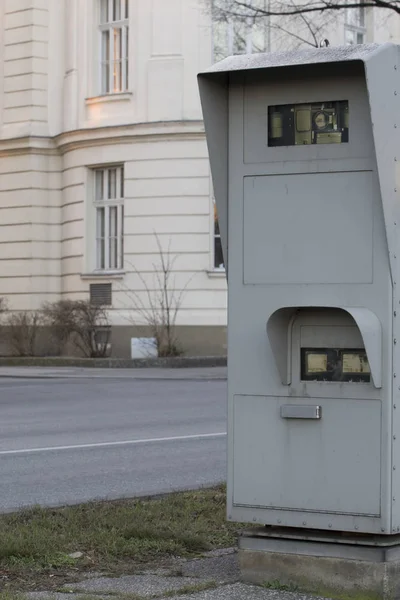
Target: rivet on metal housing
(394, 341)
(394, 406)
(395, 126)
(394, 375)
(394, 467)
(395, 93)
(330, 525)
(395, 67)
(304, 522)
(383, 529)
(356, 527)
(395, 314)
(394, 437)
(254, 519)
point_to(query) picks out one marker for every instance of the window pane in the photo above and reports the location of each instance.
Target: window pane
(349, 37)
(113, 237)
(113, 253)
(126, 75)
(218, 258)
(360, 38)
(126, 9)
(355, 16)
(99, 192)
(100, 238)
(112, 184)
(122, 182)
(117, 43)
(105, 68)
(113, 221)
(100, 264)
(105, 46)
(100, 223)
(122, 238)
(240, 38)
(117, 67)
(104, 17)
(116, 10)
(117, 77)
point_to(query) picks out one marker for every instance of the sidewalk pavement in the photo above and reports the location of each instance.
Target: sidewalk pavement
(192, 374)
(214, 577)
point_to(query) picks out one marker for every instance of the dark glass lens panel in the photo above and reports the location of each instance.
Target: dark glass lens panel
(305, 124)
(334, 364)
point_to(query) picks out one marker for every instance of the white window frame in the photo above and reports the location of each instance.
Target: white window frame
(355, 28)
(104, 203)
(231, 37)
(114, 21)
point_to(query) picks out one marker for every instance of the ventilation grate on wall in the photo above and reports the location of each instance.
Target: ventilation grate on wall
(101, 294)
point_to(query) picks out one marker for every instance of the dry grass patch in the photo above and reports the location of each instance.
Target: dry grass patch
(113, 537)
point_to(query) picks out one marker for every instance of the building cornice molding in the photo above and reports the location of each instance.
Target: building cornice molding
(28, 145)
(100, 136)
(124, 134)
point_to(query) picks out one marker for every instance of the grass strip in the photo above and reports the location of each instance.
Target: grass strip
(112, 537)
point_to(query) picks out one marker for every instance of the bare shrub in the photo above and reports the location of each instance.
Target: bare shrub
(3, 310)
(22, 330)
(59, 317)
(3, 305)
(81, 323)
(159, 308)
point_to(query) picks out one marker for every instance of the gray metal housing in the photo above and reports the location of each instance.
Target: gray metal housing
(310, 240)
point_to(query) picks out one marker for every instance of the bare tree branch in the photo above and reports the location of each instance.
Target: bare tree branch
(241, 9)
(298, 37)
(305, 22)
(86, 325)
(159, 308)
(310, 29)
(22, 331)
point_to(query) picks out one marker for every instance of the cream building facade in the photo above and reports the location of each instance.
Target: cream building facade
(103, 155)
(103, 149)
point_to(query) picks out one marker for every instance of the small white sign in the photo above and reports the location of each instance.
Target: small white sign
(144, 348)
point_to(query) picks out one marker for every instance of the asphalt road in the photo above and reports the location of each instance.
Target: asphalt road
(65, 441)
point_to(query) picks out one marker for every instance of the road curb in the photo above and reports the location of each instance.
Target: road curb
(182, 362)
(95, 377)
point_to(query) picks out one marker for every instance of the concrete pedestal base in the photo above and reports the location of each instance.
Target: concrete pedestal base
(359, 567)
